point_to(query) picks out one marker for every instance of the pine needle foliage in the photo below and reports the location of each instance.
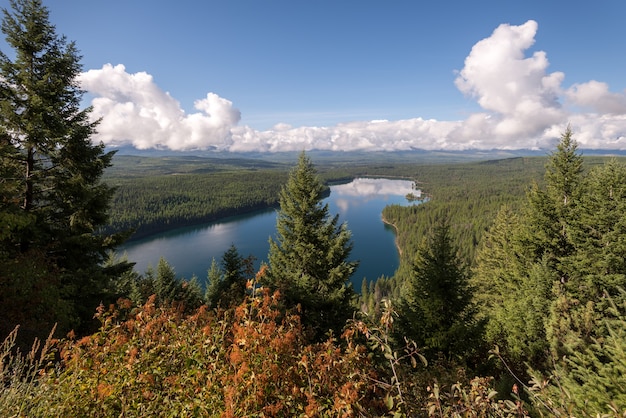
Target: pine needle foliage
(308, 258)
(436, 307)
(52, 196)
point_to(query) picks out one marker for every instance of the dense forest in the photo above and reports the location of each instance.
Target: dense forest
(158, 201)
(510, 300)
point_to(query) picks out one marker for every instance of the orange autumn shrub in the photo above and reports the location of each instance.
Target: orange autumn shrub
(159, 362)
(251, 361)
(275, 373)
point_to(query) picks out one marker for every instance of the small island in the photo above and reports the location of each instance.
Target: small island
(411, 197)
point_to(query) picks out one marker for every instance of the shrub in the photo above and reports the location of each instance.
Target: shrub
(160, 362)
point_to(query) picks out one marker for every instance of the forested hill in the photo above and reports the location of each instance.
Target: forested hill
(142, 166)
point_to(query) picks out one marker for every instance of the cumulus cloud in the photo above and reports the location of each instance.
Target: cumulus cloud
(524, 106)
(596, 96)
(522, 97)
(135, 111)
(365, 136)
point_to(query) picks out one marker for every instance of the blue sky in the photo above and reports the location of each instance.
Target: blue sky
(265, 75)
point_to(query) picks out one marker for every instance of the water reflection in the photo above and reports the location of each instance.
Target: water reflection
(361, 190)
(375, 188)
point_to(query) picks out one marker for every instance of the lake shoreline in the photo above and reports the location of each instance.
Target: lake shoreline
(141, 235)
(395, 228)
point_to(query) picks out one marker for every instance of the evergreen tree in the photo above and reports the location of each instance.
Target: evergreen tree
(522, 316)
(591, 380)
(234, 267)
(215, 277)
(436, 309)
(136, 294)
(192, 294)
(550, 210)
(513, 295)
(599, 231)
(143, 286)
(498, 264)
(308, 260)
(364, 297)
(167, 287)
(53, 200)
(122, 285)
(563, 172)
(523, 259)
(237, 271)
(227, 281)
(543, 276)
(596, 268)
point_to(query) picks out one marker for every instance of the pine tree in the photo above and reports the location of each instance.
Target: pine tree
(563, 172)
(550, 210)
(498, 263)
(227, 281)
(591, 380)
(597, 267)
(167, 286)
(364, 297)
(237, 270)
(234, 268)
(523, 315)
(215, 276)
(52, 196)
(143, 286)
(513, 295)
(436, 309)
(168, 289)
(308, 260)
(192, 294)
(599, 229)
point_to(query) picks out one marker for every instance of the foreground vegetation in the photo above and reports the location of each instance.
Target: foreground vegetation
(251, 360)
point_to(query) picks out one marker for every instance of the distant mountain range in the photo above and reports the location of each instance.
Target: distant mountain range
(416, 155)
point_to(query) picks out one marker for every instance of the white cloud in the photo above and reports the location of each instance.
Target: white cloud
(522, 98)
(134, 110)
(597, 97)
(367, 136)
(523, 107)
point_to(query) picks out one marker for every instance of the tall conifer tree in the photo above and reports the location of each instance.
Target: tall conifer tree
(167, 287)
(550, 210)
(512, 296)
(436, 309)
(308, 260)
(52, 194)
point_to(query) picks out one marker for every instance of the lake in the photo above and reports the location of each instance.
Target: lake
(359, 203)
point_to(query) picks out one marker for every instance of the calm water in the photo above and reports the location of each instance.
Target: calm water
(359, 204)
